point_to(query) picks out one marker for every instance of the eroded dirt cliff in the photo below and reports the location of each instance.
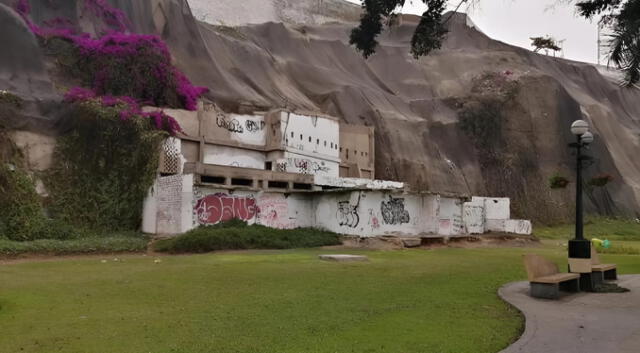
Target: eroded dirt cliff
(415, 105)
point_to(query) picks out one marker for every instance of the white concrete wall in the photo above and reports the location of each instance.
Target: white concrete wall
(175, 206)
(370, 213)
(167, 208)
(211, 206)
(450, 216)
(233, 157)
(312, 136)
(247, 129)
(474, 217)
(495, 207)
(304, 164)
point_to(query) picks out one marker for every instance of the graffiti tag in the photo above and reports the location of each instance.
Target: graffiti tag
(393, 211)
(254, 126)
(305, 166)
(219, 207)
(232, 125)
(348, 214)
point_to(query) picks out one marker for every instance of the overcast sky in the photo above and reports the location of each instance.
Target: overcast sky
(514, 21)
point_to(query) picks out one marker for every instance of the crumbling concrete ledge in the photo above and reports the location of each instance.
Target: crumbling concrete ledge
(344, 258)
(580, 323)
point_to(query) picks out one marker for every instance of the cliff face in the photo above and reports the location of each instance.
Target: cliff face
(415, 105)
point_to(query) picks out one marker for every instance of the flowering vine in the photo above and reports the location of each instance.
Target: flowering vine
(119, 63)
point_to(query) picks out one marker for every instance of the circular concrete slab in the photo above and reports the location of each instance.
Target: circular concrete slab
(580, 323)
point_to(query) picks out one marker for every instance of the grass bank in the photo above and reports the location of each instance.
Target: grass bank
(594, 227)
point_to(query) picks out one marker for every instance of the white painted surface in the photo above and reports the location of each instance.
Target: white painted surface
(495, 208)
(473, 216)
(175, 206)
(518, 226)
(311, 135)
(496, 225)
(369, 213)
(450, 216)
(253, 129)
(233, 157)
(150, 211)
(357, 183)
(304, 164)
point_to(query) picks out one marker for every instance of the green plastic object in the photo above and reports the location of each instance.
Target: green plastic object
(606, 244)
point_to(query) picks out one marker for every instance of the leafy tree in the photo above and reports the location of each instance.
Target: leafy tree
(624, 18)
(427, 37)
(544, 43)
(622, 15)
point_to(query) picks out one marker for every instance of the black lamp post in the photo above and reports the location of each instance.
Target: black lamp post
(580, 248)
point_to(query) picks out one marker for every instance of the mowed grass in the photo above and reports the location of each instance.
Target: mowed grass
(268, 301)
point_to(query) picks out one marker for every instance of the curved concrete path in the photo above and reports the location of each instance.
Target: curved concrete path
(580, 323)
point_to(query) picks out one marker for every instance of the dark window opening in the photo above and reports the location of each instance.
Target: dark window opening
(278, 184)
(241, 182)
(268, 165)
(300, 137)
(309, 138)
(325, 144)
(213, 179)
(298, 186)
(291, 134)
(317, 141)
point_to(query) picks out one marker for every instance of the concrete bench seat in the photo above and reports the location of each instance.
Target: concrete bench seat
(545, 279)
(602, 271)
(557, 278)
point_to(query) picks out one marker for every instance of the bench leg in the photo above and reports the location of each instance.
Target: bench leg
(570, 286)
(611, 275)
(598, 277)
(545, 290)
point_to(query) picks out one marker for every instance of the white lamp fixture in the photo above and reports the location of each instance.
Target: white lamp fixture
(579, 127)
(586, 138)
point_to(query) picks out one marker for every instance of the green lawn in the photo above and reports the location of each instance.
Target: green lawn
(268, 301)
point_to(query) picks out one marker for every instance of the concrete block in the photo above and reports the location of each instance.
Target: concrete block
(496, 225)
(411, 242)
(344, 258)
(518, 226)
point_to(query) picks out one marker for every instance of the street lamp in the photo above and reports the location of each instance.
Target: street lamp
(580, 248)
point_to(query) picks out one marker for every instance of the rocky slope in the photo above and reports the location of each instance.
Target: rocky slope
(413, 104)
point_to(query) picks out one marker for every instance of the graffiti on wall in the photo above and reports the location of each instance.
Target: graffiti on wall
(305, 166)
(281, 166)
(231, 125)
(393, 211)
(374, 222)
(348, 214)
(254, 126)
(215, 208)
(474, 219)
(274, 212)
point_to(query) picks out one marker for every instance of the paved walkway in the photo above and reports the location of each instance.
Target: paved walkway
(580, 323)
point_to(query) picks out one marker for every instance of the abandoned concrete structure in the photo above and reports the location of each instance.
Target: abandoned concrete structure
(289, 169)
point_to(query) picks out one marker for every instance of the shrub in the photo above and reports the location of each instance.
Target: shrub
(558, 182)
(118, 63)
(90, 245)
(104, 167)
(10, 99)
(21, 216)
(237, 236)
(600, 180)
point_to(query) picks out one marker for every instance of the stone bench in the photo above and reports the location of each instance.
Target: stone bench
(545, 279)
(600, 271)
